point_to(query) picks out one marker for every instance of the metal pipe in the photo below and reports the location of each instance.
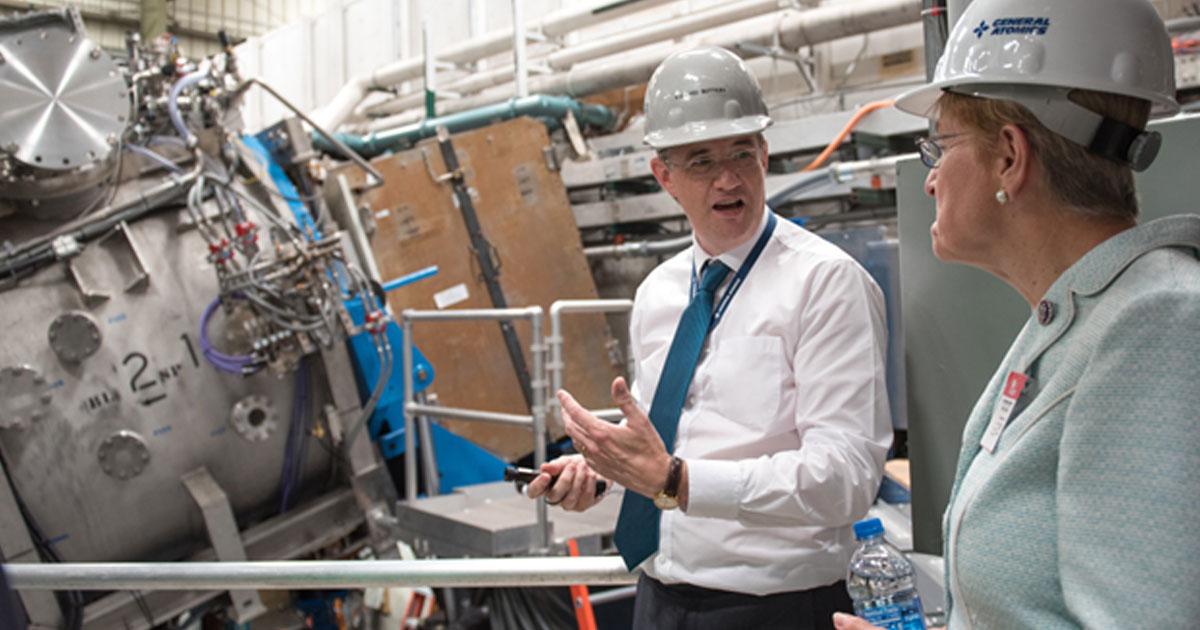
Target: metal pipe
(346, 152)
(557, 364)
(475, 415)
(537, 419)
(935, 29)
(565, 58)
(410, 278)
(612, 595)
(466, 314)
(790, 31)
(520, 59)
(47, 17)
(429, 72)
(1182, 25)
(394, 138)
(410, 462)
(433, 484)
(537, 355)
(149, 199)
(345, 212)
(320, 574)
(843, 172)
(869, 214)
(639, 248)
(956, 8)
(553, 25)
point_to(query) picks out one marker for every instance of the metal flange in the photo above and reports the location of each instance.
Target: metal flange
(123, 455)
(24, 396)
(254, 418)
(74, 336)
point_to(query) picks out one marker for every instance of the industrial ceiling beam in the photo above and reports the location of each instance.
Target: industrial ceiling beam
(91, 16)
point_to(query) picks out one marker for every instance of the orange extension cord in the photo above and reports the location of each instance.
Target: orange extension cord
(580, 598)
(837, 142)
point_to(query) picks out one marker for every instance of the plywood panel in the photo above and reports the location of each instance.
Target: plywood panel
(524, 213)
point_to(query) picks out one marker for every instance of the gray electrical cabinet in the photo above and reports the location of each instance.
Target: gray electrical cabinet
(959, 321)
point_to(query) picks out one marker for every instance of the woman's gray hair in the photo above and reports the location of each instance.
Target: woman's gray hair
(1096, 186)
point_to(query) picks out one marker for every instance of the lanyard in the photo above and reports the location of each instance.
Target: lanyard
(742, 272)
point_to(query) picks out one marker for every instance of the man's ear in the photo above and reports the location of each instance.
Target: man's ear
(662, 174)
(1014, 159)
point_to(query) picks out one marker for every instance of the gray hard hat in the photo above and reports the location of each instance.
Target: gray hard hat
(702, 94)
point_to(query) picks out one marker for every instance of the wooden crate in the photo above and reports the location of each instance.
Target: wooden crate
(523, 211)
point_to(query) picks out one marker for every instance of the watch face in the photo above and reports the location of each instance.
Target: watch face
(665, 501)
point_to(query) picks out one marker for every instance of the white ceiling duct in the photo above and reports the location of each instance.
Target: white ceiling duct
(790, 30)
(555, 24)
(565, 58)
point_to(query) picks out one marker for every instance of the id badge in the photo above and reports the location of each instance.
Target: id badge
(1003, 410)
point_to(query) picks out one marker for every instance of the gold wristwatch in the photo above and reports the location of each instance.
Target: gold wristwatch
(668, 499)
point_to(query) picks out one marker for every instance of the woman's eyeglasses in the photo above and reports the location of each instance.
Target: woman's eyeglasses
(931, 148)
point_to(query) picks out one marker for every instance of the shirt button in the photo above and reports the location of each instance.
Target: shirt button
(690, 401)
(1045, 312)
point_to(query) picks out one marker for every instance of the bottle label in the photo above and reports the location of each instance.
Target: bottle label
(885, 616)
(894, 616)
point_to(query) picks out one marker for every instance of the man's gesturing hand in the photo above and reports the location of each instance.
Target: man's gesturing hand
(631, 454)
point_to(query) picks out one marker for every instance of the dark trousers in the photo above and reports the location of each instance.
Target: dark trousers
(685, 607)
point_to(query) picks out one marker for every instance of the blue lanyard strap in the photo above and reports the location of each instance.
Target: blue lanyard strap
(742, 272)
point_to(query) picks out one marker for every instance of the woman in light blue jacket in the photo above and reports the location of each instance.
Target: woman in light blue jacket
(1075, 502)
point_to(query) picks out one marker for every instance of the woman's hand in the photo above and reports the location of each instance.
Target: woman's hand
(843, 621)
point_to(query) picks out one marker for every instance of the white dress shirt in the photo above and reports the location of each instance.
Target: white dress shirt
(785, 427)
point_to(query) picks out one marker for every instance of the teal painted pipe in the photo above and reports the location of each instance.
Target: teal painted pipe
(538, 106)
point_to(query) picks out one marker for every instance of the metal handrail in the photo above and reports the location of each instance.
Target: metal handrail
(321, 574)
(472, 415)
(537, 417)
(555, 341)
(543, 400)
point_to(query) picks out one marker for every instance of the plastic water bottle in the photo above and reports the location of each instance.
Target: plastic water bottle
(881, 581)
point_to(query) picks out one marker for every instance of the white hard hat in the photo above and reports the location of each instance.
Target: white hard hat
(1034, 52)
(702, 94)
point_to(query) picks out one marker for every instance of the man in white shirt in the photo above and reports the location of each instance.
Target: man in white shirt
(778, 444)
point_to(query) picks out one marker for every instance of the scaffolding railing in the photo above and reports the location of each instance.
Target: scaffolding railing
(321, 574)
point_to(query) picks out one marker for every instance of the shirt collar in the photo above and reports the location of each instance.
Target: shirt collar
(734, 257)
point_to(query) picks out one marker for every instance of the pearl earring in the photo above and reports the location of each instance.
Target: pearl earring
(1001, 196)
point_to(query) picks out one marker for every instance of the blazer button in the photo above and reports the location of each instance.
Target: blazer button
(1045, 312)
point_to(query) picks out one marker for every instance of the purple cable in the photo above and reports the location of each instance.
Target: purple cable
(293, 460)
(221, 361)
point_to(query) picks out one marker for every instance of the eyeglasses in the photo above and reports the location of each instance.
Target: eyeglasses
(705, 166)
(931, 148)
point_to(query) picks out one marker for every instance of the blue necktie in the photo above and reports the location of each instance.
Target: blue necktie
(637, 527)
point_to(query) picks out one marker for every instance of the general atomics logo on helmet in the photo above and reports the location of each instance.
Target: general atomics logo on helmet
(1005, 49)
(1013, 26)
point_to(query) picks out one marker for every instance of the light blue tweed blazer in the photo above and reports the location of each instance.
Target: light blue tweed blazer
(1087, 514)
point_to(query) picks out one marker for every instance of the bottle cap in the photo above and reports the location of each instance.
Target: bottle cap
(868, 528)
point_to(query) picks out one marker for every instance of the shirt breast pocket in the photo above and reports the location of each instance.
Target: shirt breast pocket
(747, 378)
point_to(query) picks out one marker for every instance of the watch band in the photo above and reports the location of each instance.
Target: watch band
(674, 474)
(668, 498)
